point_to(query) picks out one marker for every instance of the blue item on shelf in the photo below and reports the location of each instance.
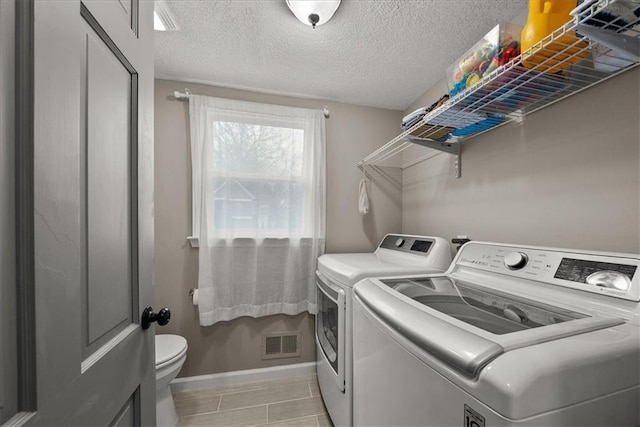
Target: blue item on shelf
(459, 86)
(482, 125)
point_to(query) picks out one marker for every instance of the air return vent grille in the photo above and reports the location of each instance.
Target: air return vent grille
(280, 345)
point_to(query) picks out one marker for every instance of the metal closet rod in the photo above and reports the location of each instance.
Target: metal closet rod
(184, 96)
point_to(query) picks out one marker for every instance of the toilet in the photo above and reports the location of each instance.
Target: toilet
(171, 352)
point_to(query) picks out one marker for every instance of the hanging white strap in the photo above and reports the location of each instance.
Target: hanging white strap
(363, 197)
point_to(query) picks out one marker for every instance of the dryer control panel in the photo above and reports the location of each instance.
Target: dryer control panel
(616, 275)
(406, 243)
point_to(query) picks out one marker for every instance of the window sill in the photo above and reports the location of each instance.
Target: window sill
(194, 241)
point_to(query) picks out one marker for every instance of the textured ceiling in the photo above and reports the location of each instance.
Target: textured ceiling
(375, 53)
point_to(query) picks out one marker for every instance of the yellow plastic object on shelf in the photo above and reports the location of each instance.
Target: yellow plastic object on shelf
(546, 16)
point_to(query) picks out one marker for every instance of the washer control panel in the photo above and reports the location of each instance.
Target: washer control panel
(616, 275)
(515, 260)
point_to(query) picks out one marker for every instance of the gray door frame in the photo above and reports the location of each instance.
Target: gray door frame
(25, 281)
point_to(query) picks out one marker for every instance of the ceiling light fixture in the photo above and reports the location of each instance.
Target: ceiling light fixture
(311, 12)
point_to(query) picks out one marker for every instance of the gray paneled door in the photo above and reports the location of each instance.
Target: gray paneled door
(91, 362)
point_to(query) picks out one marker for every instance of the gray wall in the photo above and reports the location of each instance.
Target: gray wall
(352, 133)
(8, 344)
(569, 176)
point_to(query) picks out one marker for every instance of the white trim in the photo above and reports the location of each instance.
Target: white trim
(19, 419)
(241, 377)
(165, 16)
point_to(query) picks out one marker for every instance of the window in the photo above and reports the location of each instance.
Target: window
(258, 206)
(260, 172)
(259, 181)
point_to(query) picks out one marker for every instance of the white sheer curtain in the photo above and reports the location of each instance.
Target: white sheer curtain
(259, 206)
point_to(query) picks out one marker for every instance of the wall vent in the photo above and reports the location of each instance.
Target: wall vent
(280, 345)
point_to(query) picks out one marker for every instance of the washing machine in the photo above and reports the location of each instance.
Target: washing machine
(509, 335)
(337, 273)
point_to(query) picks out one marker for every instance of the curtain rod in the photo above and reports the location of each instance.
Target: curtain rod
(184, 96)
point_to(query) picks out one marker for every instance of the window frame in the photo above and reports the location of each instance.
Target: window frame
(262, 119)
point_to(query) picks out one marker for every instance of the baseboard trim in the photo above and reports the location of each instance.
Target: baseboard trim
(241, 377)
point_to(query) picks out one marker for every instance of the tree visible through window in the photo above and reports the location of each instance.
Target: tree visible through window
(258, 177)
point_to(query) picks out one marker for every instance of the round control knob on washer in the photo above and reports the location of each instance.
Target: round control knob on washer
(515, 260)
(399, 242)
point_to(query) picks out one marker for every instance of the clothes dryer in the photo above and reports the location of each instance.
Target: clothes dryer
(337, 273)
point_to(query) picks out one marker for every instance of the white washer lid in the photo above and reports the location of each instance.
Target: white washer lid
(168, 347)
(348, 269)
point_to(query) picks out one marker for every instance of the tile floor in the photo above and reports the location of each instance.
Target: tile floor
(293, 401)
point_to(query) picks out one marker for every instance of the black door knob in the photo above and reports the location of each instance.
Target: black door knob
(148, 317)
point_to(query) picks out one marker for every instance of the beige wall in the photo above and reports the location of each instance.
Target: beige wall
(569, 176)
(352, 133)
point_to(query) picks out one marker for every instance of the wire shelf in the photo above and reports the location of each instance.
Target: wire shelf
(558, 66)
